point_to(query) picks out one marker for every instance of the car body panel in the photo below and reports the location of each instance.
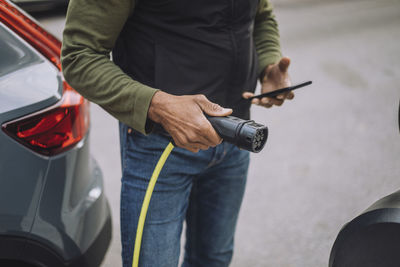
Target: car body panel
(22, 171)
(22, 175)
(15, 54)
(71, 228)
(53, 211)
(16, 97)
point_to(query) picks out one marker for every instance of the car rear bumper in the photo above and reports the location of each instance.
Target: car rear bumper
(32, 251)
(71, 220)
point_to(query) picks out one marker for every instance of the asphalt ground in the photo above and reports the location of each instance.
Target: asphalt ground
(332, 151)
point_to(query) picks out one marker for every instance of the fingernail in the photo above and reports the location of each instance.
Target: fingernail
(280, 97)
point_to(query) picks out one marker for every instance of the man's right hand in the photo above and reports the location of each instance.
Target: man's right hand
(183, 118)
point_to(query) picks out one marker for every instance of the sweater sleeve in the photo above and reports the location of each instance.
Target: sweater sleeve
(266, 36)
(91, 30)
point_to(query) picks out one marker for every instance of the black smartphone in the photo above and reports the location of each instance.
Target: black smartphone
(281, 91)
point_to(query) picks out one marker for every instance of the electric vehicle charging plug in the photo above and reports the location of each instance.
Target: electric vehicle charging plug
(245, 134)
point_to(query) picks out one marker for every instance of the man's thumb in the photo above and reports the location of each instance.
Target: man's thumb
(284, 64)
(211, 108)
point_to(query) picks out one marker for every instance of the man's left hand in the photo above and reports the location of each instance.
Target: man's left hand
(276, 77)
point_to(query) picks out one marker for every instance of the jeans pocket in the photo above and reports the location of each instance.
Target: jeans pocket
(124, 135)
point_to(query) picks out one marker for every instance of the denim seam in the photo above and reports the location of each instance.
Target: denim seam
(127, 136)
(192, 212)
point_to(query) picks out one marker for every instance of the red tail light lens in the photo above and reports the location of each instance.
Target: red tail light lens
(55, 129)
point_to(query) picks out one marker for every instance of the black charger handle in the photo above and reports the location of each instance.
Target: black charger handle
(245, 134)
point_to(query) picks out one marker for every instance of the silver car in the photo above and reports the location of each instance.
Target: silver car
(53, 211)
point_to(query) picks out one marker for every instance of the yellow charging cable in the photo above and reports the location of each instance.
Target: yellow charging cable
(146, 202)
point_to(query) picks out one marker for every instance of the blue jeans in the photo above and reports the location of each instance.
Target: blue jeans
(204, 188)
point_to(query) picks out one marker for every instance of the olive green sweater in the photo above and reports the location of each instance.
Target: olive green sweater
(91, 30)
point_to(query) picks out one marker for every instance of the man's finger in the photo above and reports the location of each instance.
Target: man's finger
(247, 95)
(203, 141)
(191, 146)
(213, 137)
(281, 96)
(211, 108)
(268, 105)
(191, 149)
(290, 95)
(284, 64)
(271, 101)
(199, 146)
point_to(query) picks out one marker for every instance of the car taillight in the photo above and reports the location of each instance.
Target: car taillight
(59, 127)
(55, 129)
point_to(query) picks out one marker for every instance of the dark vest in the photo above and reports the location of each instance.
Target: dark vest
(186, 47)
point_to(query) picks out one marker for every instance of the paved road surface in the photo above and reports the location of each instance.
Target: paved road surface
(332, 151)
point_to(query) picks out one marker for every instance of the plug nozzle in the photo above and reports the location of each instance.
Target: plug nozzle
(245, 134)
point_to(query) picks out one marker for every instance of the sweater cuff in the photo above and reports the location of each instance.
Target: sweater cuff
(140, 108)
